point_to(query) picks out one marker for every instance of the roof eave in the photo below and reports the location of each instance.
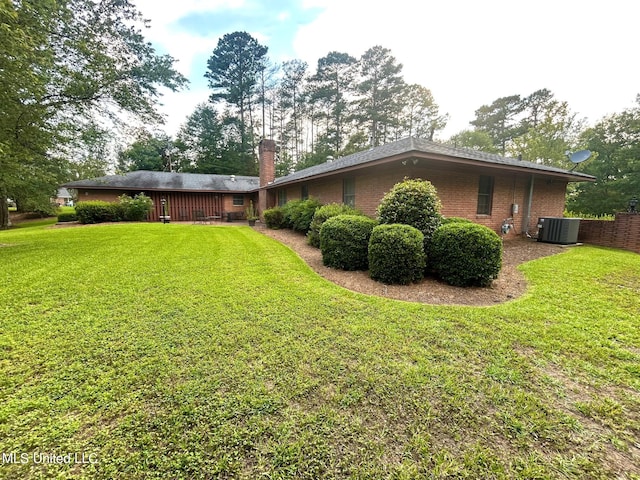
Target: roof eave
(156, 189)
(438, 157)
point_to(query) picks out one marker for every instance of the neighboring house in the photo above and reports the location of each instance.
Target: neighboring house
(482, 187)
(485, 188)
(63, 197)
(186, 195)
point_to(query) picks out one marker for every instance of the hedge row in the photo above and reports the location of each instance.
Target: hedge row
(295, 214)
(412, 235)
(127, 209)
(67, 217)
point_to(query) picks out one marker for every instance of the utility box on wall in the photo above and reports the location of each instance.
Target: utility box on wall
(558, 230)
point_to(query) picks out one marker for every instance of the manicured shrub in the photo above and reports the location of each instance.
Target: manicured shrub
(98, 211)
(322, 214)
(396, 254)
(135, 209)
(466, 254)
(289, 210)
(412, 202)
(67, 217)
(299, 213)
(446, 220)
(344, 241)
(127, 209)
(273, 218)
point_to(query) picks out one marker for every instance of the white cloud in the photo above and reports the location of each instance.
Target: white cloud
(470, 53)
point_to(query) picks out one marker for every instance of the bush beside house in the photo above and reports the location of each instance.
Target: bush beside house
(297, 214)
(344, 241)
(396, 254)
(322, 214)
(460, 252)
(412, 202)
(127, 209)
(274, 218)
(466, 254)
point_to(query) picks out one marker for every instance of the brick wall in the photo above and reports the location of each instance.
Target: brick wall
(457, 189)
(623, 232)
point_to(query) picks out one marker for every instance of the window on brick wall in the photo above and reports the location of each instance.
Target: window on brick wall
(485, 195)
(282, 197)
(304, 192)
(349, 191)
(238, 200)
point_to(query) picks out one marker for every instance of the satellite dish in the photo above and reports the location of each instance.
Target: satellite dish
(580, 156)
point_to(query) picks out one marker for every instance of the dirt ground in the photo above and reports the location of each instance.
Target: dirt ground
(510, 283)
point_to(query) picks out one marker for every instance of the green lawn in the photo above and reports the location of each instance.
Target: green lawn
(188, 351)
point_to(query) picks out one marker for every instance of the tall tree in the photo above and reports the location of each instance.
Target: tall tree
(63, 61)
(330, 86)
(234, 70)
(421, 115)
(500, 120)
(474, 139)
(208, 140)
(548, 131)
(292, 99)
(615, 162)
(379, 92)
(89, 154)
(148, 152)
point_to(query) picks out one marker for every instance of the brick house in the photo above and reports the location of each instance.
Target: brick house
(187, 195)
(482, 187)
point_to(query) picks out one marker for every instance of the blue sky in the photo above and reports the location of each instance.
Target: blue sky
(467, 52)
(274, 25)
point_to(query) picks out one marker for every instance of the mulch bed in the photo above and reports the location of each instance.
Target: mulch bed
(509, 285)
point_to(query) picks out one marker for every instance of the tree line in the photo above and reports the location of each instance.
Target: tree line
(343, 106)
(347, 105)
(74, 78)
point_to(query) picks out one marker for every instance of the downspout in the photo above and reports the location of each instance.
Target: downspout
(529, 203)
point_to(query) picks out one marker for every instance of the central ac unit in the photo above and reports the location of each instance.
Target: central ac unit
(558, 230)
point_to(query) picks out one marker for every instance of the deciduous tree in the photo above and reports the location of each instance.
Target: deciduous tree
(615, 162)
(62, 62)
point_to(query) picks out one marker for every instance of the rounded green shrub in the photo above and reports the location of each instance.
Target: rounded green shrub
(344, 241)
(67, 217)
(273, 218)
(321, 215)
(98, 211)
(297, 214)
(135, 209)
(396, 254)
(412, 202)
(466, 254)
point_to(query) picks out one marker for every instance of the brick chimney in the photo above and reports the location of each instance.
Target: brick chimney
(267, 163)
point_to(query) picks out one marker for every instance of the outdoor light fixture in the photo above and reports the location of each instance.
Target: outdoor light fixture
(633, 204)
(164, 213)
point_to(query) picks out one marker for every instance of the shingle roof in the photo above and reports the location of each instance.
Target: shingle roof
(63, 193)
(411, 145)
(170, 181)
